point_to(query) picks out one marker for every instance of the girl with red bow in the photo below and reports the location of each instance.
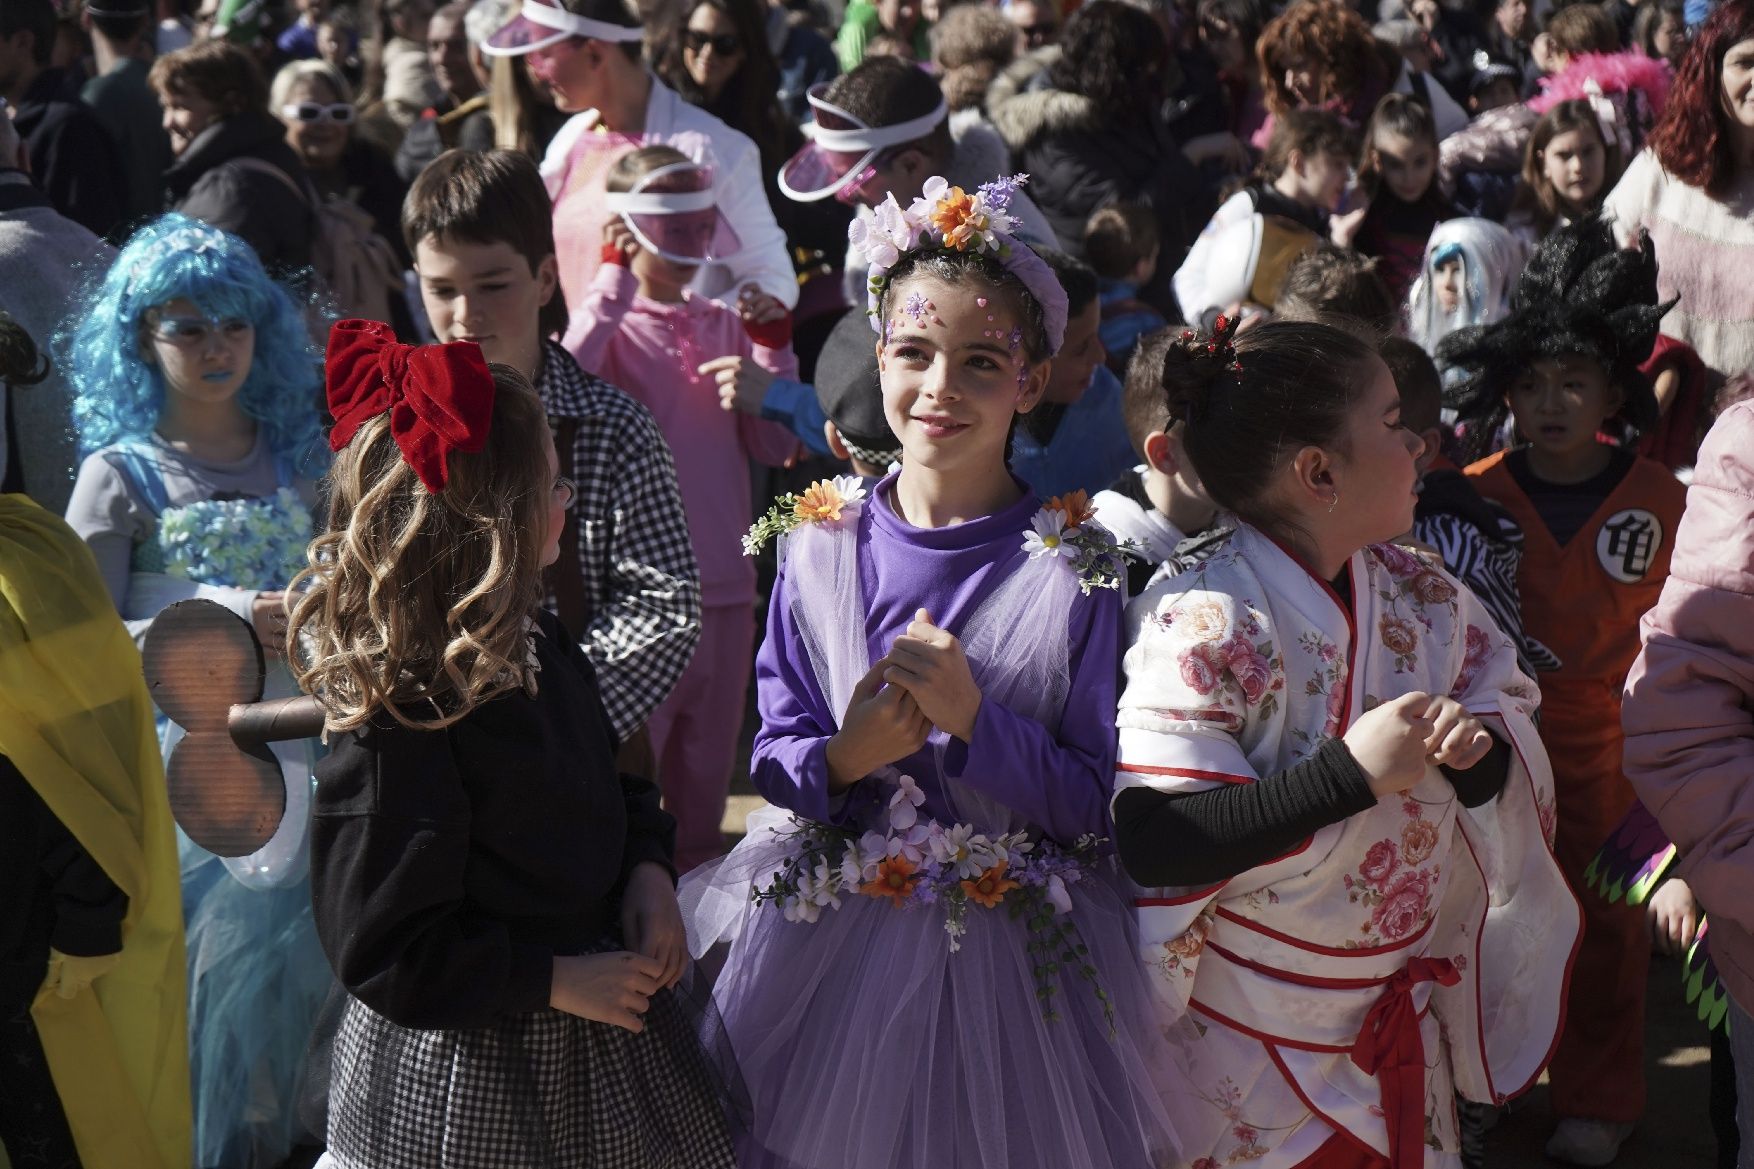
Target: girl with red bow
(496, 900)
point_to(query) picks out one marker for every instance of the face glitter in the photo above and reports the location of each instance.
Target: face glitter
(915, 307)
(982, 301)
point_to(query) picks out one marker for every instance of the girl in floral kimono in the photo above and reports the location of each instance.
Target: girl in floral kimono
(931, 956)
(196, 405)
(1330, 784)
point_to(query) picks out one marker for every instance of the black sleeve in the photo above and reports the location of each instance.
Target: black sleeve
(390, 841)
(87, 906)
(651, 831)
(1481, 782)
(1198, 838)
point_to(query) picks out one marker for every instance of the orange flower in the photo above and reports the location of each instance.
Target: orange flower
(990, 887)
(895, 880)
(956, 219)
(1075, 505)
(820, 503)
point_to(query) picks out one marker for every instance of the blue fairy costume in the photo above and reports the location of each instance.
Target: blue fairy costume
(166, 526)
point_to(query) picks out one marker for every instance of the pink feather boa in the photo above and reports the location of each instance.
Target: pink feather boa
(1614, 73)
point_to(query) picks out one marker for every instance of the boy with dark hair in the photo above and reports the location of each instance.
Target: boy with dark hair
(1121, 242)
(1074, 440)
(1160, 502)
(1479, 542)
(626, 585)
(123, 101)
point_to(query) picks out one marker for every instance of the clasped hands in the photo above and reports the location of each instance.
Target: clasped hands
(1393, 743)
(922, 682)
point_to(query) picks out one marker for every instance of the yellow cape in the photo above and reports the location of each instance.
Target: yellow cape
(76, 720)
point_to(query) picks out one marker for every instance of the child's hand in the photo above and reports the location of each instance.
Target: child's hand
(618, 241)
(882, 724)
(1388, 743)
(1343, 225)
(742, 383)
(651, 923)
(268, 618)
(1673, 916)
(68, 974)
(929, 664)
(606, 988)
(1457, 739)
(757, 307)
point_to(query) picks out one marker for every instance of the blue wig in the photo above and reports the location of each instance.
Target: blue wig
(117, 394)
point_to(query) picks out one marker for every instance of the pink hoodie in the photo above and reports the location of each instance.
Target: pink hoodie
(652, 351)
(1689, 708)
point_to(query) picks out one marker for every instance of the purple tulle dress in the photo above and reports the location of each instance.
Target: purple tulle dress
(923, 1027)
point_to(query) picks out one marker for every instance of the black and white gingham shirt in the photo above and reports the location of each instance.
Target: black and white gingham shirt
(641, 581)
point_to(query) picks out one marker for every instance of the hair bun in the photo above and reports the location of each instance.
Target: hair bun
(1195, 365)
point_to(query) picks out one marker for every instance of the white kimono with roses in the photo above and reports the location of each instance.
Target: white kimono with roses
(1418, 949)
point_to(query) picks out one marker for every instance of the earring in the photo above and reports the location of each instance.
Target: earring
(1333, 503)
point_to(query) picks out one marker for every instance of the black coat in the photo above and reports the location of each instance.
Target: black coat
(1078, 161)
(207, 182)
(72, 157)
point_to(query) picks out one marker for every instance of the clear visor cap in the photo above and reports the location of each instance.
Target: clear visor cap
(840, 156)
(673, 212)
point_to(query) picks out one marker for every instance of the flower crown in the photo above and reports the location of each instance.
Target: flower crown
(194, 237)
(948, 219)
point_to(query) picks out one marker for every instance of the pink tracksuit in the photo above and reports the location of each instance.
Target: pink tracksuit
(652, 351)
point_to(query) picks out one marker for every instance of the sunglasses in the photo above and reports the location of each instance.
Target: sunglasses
(341, 113)
(724, 44)
(196, 332)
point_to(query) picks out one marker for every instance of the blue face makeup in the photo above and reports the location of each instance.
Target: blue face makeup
(189, 332)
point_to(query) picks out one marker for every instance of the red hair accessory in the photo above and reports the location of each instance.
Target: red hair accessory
(439, 397)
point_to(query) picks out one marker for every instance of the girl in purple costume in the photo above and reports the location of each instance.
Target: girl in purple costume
(931, 959)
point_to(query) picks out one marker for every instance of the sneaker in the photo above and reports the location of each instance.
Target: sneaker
(1587, 1142)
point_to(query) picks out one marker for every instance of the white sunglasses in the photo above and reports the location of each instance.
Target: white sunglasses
(311, 111)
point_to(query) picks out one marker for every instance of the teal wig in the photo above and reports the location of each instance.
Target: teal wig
(117, 394)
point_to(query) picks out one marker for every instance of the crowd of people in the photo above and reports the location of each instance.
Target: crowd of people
(1233, 519)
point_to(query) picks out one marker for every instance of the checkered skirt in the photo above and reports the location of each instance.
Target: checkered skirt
(544, 1090)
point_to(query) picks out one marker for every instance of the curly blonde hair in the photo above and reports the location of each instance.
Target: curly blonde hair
(422, 600)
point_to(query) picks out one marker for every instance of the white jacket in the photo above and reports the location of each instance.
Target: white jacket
(763, 258)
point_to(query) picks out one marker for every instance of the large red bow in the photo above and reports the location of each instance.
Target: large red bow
(439, 397)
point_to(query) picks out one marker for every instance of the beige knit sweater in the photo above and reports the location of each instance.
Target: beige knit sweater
(1705, 255)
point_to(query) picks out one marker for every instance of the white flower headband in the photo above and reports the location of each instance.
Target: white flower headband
(196, 237)
(946, 218)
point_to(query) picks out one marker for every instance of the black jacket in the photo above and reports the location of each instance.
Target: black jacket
(1078, 160)
(449, 867)
(208, 183)
(72, 158)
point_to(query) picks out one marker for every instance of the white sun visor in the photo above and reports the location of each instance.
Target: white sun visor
(674, 213)
(541, 23)
(839, 156)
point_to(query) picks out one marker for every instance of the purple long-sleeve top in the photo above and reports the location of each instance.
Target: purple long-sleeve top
(1058, 782)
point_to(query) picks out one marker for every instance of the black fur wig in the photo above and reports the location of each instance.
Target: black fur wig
(1580, 293)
